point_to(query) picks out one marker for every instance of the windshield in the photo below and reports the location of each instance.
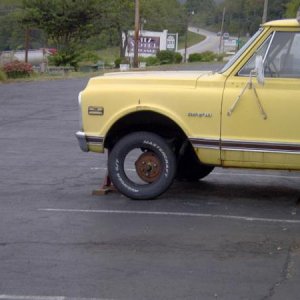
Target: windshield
(235, 57)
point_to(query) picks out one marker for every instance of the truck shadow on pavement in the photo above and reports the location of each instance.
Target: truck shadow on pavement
(255, 191)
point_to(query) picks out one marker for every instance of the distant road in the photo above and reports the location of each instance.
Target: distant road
(211, 42)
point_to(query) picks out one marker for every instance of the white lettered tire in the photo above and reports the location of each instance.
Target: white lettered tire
(142, 165)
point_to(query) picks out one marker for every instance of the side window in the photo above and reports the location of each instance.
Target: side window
(283, 59)
(281, 54)
(250, 65)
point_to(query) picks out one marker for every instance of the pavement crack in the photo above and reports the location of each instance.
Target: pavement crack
(284, 275)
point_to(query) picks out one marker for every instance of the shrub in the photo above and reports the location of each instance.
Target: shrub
(166, 57)
(178, 58)
(150, 60)
(63, 58)
(118, 62)
(89, 56)
(220, 57)
(169, 57)
(3, 76)
(208, 56)
(17, 69)
(121, 60)
(202, 57)
(195, 57)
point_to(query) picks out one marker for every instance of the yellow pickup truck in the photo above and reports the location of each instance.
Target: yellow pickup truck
(158, 126)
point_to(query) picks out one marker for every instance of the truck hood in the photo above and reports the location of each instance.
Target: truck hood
(184, 78)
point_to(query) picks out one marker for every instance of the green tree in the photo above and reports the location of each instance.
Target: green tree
(292, 8)
(66, 22)
(163, 14)
(11, 34)
(245, 16)
(200, 6)
(242, 16)
(201, 12)
(119, 15)
(156, 15)
(277, 9)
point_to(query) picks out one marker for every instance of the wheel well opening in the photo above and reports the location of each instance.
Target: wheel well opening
(146, 121)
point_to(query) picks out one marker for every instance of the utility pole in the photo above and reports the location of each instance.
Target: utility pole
(265, 14)
(27, 34)
(188, 14)
(136, 34)
(222, 29)
(186, 38)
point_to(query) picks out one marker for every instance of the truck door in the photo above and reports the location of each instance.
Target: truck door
(260, 123)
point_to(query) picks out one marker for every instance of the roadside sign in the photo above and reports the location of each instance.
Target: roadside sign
(146, 45)
(172, 39)
(230, 43)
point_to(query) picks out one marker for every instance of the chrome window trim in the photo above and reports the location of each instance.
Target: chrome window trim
(268, 49)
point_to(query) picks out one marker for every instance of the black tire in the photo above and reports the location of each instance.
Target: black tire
(142, 149)
(190, 168)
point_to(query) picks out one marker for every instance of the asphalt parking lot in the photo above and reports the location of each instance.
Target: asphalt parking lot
(235, 235)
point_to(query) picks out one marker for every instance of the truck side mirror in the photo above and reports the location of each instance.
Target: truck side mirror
(259, 73)
(259, 70)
